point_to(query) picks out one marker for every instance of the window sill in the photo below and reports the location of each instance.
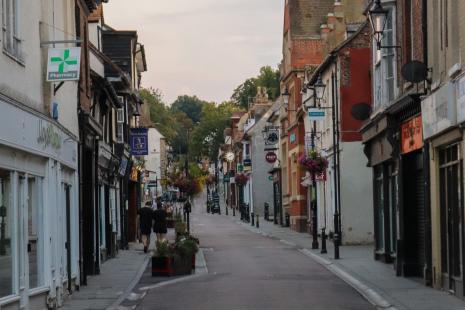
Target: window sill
(14, 58)
(9, 299)
(38, 290)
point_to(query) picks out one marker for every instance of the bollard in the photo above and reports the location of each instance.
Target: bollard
(323, 241)
(234, 211)
(227, 210)
(258, 224)
(252, 222)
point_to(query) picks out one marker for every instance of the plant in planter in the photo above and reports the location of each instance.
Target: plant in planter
(185, 250)
(241, 179)
(313, 163)
(162, 259)
(180, 229)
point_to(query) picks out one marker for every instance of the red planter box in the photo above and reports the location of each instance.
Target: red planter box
(162, 266)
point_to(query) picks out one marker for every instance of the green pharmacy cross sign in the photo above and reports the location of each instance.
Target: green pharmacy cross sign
(63, 64)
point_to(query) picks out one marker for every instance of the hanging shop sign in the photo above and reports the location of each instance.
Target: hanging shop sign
(411, 135)
(63, 64)
(271, 136)
(240, 168)
(316, 114)
(247, 164)
(292, 137)
(139, 142)
(271, 157)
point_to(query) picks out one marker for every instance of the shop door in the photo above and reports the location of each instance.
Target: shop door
(414, 220)
(451, 218)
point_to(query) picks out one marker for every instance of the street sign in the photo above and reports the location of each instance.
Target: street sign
(270, 178)
(240, 168)
(63, 64)
(316, 114)
(271, 157)
(139, 142)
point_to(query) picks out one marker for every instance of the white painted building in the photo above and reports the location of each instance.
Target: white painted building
(355, 177)
(39, 236)
(153, 162)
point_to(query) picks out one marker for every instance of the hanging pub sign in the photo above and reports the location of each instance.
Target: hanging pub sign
(247, 164)
(63, 64)
(411, 135)
(139, 142)
(271, 136)
(271, 157)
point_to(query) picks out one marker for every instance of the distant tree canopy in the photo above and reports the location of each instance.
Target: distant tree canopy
(190, 105)
(208, 135)
(244, 93)
(194, 126)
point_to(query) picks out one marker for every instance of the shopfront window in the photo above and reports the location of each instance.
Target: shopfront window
(6, 237)
(393, 193)
(35, 232)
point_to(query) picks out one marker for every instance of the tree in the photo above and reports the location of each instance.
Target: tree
(268, 78)
(208, 135)
(160, 114)
(190, 105)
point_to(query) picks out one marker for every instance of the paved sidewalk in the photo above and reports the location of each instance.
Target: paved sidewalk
(113, 283)
(374, 280)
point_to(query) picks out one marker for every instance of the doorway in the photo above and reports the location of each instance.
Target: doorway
(451, 206)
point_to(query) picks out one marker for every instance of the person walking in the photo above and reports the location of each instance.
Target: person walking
(145, 223)
(159, 217)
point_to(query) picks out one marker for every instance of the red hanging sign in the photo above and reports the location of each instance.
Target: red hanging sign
(271, 157)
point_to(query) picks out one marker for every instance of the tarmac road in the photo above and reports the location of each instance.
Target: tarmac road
(250, 271)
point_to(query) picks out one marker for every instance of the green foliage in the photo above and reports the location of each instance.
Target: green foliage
(189, 105)
(208, 135)
(268, 78)
(163, 249)
(160, 114)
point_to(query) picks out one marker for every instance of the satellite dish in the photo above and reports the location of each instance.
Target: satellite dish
(361, 111)
(414, 71)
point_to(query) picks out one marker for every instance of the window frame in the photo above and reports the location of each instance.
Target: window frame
(382, 83)
(11, 30)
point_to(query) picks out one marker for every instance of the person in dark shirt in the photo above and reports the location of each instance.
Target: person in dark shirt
(159, 217)
(145, 223)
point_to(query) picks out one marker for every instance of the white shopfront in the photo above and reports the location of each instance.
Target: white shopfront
(39, 236)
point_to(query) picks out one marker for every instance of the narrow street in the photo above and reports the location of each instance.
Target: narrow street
(249, 271)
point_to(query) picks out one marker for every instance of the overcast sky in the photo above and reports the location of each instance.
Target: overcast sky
(202, 47)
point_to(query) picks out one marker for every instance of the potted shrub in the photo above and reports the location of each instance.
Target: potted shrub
(162, 259)
(184, 258)
(313, 163)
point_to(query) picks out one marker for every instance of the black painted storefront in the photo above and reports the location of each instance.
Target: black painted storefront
(402, 217)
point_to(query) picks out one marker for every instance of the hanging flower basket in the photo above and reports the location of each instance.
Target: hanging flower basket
(241, 179)
(210, 179)
(313, 162)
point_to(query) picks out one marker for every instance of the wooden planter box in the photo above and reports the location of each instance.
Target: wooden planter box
(162, 266)
(182, 265)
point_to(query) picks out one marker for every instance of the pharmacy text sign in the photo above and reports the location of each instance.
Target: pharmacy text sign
(63, 64)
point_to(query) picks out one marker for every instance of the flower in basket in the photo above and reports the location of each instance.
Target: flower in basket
(210, 179)
(314, 162)
(241, 179)
(183, 184)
